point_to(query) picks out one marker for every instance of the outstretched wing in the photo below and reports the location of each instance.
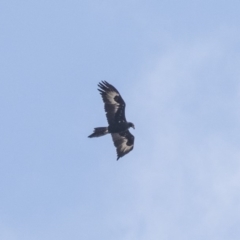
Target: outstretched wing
(114, 105)
(123, 142)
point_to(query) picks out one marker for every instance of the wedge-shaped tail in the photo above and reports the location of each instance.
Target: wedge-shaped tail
(98, 132)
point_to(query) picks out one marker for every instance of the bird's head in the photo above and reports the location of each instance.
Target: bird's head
(131, 125)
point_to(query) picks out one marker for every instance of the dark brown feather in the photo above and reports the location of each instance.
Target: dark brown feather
(114, 104)
(123, 142)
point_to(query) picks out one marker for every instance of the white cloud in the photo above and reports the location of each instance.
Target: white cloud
(188, 173)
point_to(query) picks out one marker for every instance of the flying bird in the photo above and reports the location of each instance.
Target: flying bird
(118, 126)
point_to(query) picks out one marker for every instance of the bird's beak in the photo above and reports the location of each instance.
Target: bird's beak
(133, 127)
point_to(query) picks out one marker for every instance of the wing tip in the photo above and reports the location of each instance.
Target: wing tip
(103, 83)
(105, 86)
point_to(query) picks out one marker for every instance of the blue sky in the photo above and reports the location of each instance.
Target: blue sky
(176, 64)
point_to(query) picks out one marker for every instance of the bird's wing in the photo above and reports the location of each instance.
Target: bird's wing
(123, 142)
(114, 105)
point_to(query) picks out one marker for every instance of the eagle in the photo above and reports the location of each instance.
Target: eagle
(118, 126)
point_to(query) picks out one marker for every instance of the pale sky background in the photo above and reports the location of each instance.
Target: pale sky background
(177, 66)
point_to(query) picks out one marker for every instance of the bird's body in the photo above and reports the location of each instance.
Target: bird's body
(118, 125)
